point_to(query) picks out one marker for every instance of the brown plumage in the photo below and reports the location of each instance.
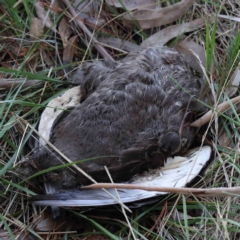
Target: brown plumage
(134, 114)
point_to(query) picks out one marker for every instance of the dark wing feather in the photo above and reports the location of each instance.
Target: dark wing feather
(177, 172)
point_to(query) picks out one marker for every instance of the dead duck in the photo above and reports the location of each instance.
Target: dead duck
(133, 115)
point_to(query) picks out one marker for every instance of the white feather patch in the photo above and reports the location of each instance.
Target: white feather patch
(177, 172)
(53, 110)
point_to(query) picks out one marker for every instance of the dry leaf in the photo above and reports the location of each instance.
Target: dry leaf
(119, 43)
(45, 223)
(162, 37)
(187, 47)
(69, 50)
(36, 29)
(89, 12)
(64, 30)
(57, 7)
(147, 18)
(42, 14)
(20, 51)
(223, 138)
(133, 4)
(99, 48)
(87, 7)
(234, 83)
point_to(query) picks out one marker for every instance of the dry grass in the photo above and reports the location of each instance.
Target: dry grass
(43, 59)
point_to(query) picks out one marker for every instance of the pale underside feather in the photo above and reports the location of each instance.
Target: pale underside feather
(177, 172)
(55, 107)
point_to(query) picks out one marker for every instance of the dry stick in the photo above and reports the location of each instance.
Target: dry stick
(123, 210)
(212, 192)
(11, 82)
(100, 49)
(210, 114)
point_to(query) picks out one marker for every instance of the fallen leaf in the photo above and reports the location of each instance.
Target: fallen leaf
(99, 48)
(147, 18)
(20, 51)
(36, 29)
(223, 138)
(89, 12)
(64, 30)
(234, 83)
(57, 7)
(189, 49)
(133, 4)
(69, 50)
(42, 14)
(119, 43)
(45, 223)
(162, 37)
(86, 6)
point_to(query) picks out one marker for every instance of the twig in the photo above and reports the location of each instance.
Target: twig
(208, 192)
(123, 210)
(100, 49)
(210, 114)
(12, 82)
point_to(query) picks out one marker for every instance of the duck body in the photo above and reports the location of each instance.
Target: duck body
(133, 115)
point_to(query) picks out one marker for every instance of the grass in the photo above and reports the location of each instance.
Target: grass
(173, 217)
